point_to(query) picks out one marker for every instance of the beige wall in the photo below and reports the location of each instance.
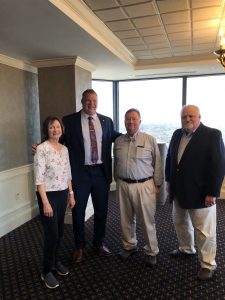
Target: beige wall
(19, 128)
(19, 116)
(60, 89)
(56, 91)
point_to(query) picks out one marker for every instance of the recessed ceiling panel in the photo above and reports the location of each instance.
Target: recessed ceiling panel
(151, 31)
(158, 45)
(172, 5)
(155, 39)
(179, 36)
(176, 18)
(206, 24)
(146, 22)
(126, 34)
(206, 13)
(178, 27)
(120, 25)
(133, 41)
(140, 10)
(110, 14)
(205, 3)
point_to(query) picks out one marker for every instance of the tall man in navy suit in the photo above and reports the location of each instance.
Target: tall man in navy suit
(90, 178)
(195, 168)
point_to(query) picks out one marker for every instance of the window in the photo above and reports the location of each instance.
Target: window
(159, 102)
(105, 97)
(207, 92)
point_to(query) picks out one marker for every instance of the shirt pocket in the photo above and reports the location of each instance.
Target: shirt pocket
(143, 152)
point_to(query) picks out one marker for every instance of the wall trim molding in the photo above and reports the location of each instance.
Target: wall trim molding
(57, 62)
(79, 13)
(18, 64)
(10, 173)
(64, 61)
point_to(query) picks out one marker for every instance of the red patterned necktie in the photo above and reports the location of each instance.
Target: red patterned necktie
(94, 146)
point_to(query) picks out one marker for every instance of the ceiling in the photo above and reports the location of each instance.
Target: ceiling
(121, 39)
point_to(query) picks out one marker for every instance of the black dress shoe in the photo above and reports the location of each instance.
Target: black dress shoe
(150, 260)
(102, 251)
(205, 274)
(78, 255)
(177, 253)
(124, 254)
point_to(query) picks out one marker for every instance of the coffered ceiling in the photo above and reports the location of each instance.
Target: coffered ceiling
(120, 38)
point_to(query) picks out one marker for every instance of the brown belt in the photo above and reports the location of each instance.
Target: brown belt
(127, 180)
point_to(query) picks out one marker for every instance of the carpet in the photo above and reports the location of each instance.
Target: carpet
(108, 278)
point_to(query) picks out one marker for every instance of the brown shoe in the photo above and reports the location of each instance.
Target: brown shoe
(205, 274)
(102, 251)
(78, 255)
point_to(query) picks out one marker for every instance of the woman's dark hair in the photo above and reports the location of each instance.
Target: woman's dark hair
(48, 121)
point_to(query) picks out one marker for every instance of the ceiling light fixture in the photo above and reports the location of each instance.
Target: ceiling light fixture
(221, 52)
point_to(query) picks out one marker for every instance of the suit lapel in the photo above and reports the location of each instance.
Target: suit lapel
(102, 121)
(193, 143)
(78, 126)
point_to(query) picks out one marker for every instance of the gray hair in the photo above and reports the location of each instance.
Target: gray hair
(133, 110)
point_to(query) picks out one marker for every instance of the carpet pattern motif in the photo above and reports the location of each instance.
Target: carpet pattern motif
(108, 278)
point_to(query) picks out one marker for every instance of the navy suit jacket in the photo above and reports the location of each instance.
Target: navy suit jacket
(201, 169)
(73, 139)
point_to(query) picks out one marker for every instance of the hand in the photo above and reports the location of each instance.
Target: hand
(71, 201)
(157, 190)
(210, 200)
(34, 147)
(48, 211)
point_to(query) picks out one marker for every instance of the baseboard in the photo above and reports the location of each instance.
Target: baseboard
(12, 220)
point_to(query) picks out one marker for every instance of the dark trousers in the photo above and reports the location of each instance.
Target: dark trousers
(53, 227)
(95, 184)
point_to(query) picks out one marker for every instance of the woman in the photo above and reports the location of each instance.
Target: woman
(54, 194)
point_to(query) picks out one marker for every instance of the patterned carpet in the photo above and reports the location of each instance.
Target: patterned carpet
(108, 278)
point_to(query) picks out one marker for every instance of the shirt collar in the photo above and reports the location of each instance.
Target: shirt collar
(134, 137)
(86, 116)
(187, 134)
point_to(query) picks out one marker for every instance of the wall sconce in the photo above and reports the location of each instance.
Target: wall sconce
(221, 52)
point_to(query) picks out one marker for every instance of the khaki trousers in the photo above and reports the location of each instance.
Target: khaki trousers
(138, 200)
(197, 225)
